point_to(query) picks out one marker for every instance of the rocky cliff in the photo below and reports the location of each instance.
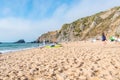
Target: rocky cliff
(48, 37)
(87, 27)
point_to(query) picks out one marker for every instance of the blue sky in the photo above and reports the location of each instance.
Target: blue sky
(28, 19)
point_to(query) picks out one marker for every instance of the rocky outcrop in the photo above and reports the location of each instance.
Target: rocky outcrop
(67, 33)
(87, 27)
(117, 32)
(48, 37)
(20, 41)
(34, 42)
(116, 15)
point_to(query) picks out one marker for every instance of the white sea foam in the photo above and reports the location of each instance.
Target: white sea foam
(5, 48)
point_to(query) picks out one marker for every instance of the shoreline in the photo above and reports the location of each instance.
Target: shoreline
(74, 60)
(20, 49)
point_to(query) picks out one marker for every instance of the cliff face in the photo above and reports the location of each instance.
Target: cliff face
(88, 27)
(48, 37)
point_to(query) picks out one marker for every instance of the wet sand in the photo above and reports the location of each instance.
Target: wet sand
(74, 61)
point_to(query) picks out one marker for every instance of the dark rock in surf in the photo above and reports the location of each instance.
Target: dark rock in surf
(20, 41)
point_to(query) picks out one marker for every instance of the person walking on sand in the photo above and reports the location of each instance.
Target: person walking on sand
(104, 38)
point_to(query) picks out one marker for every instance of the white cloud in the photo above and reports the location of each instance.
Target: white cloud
(40, 8)
(13, 29)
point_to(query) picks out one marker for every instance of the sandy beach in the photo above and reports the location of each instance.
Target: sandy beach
(73, 61)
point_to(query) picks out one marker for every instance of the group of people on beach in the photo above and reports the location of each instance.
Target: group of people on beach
(104, 39)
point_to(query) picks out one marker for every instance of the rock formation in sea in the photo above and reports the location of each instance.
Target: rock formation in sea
(20, 41)
(33, 42)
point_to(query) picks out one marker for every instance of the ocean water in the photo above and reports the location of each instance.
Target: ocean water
(10, 47)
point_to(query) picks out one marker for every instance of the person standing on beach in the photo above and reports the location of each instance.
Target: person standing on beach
(104, 38)
(43, 42)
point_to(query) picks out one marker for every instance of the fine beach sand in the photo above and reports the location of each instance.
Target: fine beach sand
(74, 61)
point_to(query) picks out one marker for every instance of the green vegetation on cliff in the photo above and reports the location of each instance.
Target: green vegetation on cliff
(88, 27)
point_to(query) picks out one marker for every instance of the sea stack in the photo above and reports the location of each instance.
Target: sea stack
(20, 41)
